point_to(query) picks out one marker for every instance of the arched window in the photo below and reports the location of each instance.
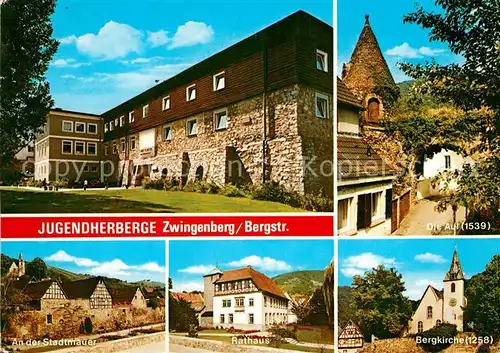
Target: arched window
(373, 109)
(453, 287)
(199, 173)
(164, 172)
(420, 327)
(438, 323)
(429, 312)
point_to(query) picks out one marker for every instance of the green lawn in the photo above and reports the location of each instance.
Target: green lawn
(14, 200)
(318, 334)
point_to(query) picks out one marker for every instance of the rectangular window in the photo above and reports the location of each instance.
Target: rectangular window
(79, 147)
(321, 60)
(106, 127)
(132, 143)
(447, 162)
(115, 149)
(49, 318)
(145, 111)
(93, 168)
(85, 168)
(123, 145)
(67, 147)
(166, 103)
(106, 149)
(321, 102)
(117, 122)
(220, 119)
(250, 302)
(92, 128)
(67, 126)
(250, 318)
(131, 117)
(122, 120)
(221, 318)
(192, 127)
(231, 318)
(343, 213)
(79, 127)
(167, 133)
(240, 302)
(111, 125)
(191, 93)
(219, 81)
(91, 148)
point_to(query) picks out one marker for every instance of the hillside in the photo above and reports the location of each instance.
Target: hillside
(300, 282)
(64, 275)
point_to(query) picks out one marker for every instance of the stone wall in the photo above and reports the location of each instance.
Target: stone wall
(119, 345)
(294, 136)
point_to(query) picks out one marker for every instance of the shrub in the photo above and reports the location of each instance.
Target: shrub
(317, 203)
(193, 331)
(156, 184)
(432, 337)
(34, 183)
(276, 192)
(61, 183)
(230, 190)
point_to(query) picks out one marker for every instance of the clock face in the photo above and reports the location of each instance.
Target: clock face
(453, 302)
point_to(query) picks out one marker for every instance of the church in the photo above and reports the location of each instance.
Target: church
(18, 269)
(442, 306)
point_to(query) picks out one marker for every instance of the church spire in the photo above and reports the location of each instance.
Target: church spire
(367, 68)
(455, 273)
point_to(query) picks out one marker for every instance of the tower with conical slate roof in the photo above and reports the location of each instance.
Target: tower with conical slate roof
(206, 316)
(368, 76)
(454, 300)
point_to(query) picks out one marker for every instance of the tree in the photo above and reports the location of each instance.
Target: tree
(181, 315)
(483, 300)
(328, 289)
(379, 302)
(317, 309)
(36, 269)
(27, 49)
(471, 30)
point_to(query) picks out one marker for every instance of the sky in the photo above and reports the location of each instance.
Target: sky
(190, 260)
(112, 50)
(127, 260)
(398, 42)
(420, 261)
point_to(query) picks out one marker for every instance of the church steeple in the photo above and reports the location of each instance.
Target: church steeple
(455, 273)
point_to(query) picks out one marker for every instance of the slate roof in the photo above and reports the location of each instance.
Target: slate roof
(455, 272)
(345, 96)
(261, 281)
(123, 295)
(81, 289)
(356, 159)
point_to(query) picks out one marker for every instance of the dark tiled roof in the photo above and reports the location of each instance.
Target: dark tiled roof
(123, 294)
(195, 299)
(356, 159)
(36, 290)
(261, 281)
(344, 95)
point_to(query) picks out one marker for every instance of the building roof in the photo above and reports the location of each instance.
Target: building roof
(220, 60)
(345, 96)
(350, 331)
(81, 289)
(123, 294)
(455, 273)
(195, 299)
(215, 271)
(35, 290)
(261, 281)
(367, 66)
(60, 110)
(356, 159)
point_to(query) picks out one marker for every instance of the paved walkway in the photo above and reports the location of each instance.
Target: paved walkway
(424, 220)
(157, 347)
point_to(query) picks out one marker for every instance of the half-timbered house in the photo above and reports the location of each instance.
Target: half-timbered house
(351, 338)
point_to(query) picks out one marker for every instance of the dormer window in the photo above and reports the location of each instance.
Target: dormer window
(321, 61)
(191, 93)
(131, 117)
(166, 103)
(145, 111)
(106, 127)
(219, 81)
(111, 125)
(122, 120)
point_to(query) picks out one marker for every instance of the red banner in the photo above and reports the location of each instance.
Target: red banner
(90, 226)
